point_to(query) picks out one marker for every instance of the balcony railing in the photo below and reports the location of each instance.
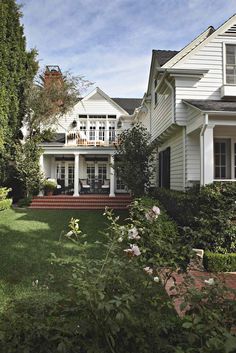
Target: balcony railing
(91, 137)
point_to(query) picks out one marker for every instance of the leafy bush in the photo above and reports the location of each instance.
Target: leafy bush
(4, 202)
(116, 303)
(215, 262)
(26, 201)
(207, 216)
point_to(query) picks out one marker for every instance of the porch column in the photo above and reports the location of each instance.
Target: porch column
(76, 176)
(207, 155)
(53, 168)
(112, 177)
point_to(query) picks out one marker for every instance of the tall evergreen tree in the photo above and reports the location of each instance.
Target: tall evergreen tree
(17, 70)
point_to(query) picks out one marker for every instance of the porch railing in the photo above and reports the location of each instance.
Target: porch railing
(92, 137)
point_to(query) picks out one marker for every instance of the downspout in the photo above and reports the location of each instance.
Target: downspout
(202, 156)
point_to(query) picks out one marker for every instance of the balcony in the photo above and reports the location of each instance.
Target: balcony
(92, 138)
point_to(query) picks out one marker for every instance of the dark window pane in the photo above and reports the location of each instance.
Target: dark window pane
(223, 172)
(217, 172)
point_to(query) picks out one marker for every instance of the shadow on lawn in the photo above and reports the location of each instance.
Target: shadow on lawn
(29, 237)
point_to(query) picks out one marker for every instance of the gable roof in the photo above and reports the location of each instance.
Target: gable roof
(128, 104)
(212, 105)
(164, 55)
(125, 105)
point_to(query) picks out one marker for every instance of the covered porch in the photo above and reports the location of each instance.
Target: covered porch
(80, 173)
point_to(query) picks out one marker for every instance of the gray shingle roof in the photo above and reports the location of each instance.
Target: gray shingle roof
(213, 105)
(164, 55)
(128, 104)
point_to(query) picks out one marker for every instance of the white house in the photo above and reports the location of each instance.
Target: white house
(81, 156)
(191, 101)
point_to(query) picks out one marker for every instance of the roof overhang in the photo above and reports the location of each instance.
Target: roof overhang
(211, 111)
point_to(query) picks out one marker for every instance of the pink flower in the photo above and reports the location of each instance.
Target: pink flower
(153, 214)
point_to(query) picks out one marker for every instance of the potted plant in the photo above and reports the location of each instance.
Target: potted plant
(50, 186)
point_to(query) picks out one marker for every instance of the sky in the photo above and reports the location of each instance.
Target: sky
(110, 42)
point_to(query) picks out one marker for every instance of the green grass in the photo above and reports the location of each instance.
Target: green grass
(27, 240)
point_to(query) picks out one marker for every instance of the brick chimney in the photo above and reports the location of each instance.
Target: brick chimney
(53, 76)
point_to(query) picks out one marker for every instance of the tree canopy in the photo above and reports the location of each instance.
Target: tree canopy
(134, 158)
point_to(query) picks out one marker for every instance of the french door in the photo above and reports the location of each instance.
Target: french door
(65, 174)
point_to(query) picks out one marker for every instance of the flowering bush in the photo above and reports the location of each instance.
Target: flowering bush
(5, 203)
(116, 302)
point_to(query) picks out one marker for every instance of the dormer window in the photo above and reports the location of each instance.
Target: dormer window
(230, 64)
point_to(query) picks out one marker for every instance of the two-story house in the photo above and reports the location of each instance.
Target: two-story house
(191, 101)
(81, 156)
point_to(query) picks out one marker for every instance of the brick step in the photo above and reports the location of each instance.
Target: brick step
(71, 207)
(83, 202)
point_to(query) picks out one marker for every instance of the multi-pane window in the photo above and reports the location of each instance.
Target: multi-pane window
(70, 174)
(83, 126)
(92, 131)
(102, 172)
(112, 132)
(222, 156)
(91, 173)
(101, 135)
(230, 64)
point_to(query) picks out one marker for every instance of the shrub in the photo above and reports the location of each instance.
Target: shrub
(50, 185)
(206, 216)
(25, 202)
(215, 262)
(4, 202)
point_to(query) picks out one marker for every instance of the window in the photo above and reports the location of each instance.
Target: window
(102, 172)
(83, 126)
(164, 168)
(97, 116)
(222, 157)
(91, 173)
(230, 68)
(156, 98)
(92, 132)
(83, 116)
(101, 136)
(111, 116)
(112, 132)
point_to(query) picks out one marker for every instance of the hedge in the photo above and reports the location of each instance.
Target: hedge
(215, 262)
(206, 215)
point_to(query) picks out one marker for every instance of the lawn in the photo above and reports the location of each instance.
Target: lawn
(27, 240)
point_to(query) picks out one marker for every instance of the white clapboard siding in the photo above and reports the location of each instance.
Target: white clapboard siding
(98, 106)
(194, 119)
(192, 148)
(176, 144)
(209, 56)
(162, 114)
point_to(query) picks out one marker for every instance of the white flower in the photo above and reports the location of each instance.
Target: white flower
(70, 233)
(156, 210)
(35, 283)
(148, 270)
(133, 234)
(149, 216)
(210, 281)
(120, 239)
(133, 251)
(156, 279)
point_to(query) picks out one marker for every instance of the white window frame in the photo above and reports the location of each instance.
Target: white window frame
(224, 62)
(232, 165)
